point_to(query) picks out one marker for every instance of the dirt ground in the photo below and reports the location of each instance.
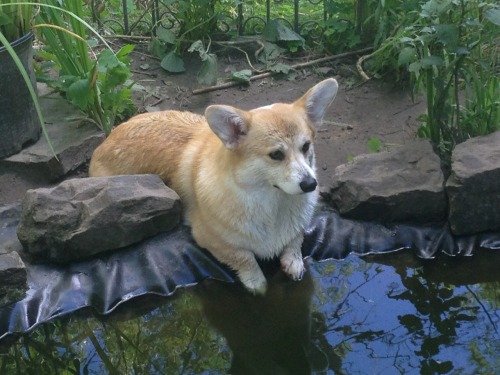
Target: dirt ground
(375, 108)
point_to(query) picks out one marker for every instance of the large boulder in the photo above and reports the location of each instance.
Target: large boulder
(474, 186)
(401, 185)
(83, 217)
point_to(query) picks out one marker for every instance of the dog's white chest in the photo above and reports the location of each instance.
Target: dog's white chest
(270, 224)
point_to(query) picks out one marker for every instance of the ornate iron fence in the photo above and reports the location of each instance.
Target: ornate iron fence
(239, 18)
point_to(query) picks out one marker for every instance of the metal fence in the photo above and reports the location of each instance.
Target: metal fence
(238, 19)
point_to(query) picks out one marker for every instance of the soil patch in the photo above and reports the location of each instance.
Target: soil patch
(372, 109)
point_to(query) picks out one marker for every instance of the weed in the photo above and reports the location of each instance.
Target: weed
(96, 86)
(441, 44)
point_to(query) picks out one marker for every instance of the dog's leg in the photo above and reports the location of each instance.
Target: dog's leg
(247, 268)
(291, 259)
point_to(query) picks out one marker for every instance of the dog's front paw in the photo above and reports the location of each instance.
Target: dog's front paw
(254, 281)
(293, 266)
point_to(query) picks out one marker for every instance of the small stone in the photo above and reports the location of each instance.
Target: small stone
(13, 278)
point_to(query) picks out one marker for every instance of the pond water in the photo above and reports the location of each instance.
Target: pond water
(383, 314)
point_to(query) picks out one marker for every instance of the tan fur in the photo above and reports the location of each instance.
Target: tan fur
(239, 201)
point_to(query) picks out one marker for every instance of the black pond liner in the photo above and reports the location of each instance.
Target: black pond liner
(172, 260)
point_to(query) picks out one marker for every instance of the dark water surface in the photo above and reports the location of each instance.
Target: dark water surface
(383, 314)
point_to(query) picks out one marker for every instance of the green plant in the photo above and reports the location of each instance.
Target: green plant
(96, 86)
(443, 56)
(190, 20)
(447, 47)
(15, 19)
(374, 145)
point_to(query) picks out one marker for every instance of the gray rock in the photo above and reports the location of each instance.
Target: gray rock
(9, 218)
(474, 186)
(13, 278)
(401, 185)
(83, 217)
(72, 136)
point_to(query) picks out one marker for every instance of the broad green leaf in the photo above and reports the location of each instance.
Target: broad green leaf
(242, 76)
(415, 67)
(124, 53)
(276, 32)
(271, 52)
(165, 35)
(172, 63)
(78, 93)
(407, 56)
(434, 8)
(107, 60)
(208, 73)
(431, 61)
(4, 19)
(157, 48)
(448, 35)
(493, 15)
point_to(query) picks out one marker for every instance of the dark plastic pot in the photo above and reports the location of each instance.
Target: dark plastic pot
(19, 123)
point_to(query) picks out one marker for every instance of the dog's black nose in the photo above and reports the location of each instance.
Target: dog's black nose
(308, 184)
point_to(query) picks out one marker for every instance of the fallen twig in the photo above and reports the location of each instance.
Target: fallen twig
(269, 74)
(359, 66)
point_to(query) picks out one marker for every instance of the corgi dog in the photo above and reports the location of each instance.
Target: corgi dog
(246, 178)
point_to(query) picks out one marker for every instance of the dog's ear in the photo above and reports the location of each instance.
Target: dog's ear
(228, 123)
(318, 99)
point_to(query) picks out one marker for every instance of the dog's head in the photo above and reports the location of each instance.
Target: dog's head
(273, 145)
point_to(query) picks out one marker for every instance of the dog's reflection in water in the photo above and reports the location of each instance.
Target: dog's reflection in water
(267, 334)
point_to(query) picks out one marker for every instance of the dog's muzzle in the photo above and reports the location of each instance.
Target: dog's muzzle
(308, 184)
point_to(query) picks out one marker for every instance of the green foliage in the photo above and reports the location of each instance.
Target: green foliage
(242, 76)
(208, 73)
(96, 86)
(449, 49)
(15, 19)
(275, 32)
(341, 34)
(171, 339)
(374, 145)
(195, 20)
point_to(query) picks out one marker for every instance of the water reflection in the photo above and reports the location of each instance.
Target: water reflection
(267, 335)
(379, 315)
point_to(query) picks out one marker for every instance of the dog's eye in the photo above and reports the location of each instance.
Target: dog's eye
(306, 146)
(277, 155)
